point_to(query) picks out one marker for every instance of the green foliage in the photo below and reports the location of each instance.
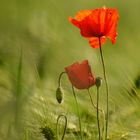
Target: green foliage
(28, 76)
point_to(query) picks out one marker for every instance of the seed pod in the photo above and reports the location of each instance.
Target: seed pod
(98, 81)
(48, 132)
(59, 94)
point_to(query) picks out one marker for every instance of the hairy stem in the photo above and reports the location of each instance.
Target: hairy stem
(59, 79)
(79, 119)
(98, 119)
(65, 127)
(93, 102)
(107, 91)
(97, 110)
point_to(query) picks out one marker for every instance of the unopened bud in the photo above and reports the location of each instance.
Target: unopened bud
(59, 94)
(98, 81)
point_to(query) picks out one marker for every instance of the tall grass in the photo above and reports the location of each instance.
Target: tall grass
(49, 43)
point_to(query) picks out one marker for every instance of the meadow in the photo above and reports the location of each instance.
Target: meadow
(37, 42)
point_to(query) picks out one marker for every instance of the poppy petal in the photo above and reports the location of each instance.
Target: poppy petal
(89, 26)
(82, 14)
(74, 22)
(94, 24)
(101, 22)
(85, 28)
(79, 17)
(97, 23)
(80, 75)
(111, 24)
(112, 34)
(94, 41)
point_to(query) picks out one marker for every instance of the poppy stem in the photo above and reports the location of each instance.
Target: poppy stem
(65, 127)
(77, 112)
(107, 91)
(93, 102)
(97, 110)
(98, 119)
(59, 79)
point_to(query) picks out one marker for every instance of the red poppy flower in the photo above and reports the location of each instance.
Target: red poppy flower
(80, 75)
(98, 23)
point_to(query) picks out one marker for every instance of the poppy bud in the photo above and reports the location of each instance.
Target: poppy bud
(98, 81)
(59, 94)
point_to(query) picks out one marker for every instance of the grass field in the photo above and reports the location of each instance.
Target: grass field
(37, 42)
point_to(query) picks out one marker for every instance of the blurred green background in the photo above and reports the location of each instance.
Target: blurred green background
(37, 42)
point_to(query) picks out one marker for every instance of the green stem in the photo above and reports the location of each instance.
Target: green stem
(59, 79)
(64, 127)
(93, 102)
(98, 119)
(78, 112)
(107, 91)
(97, 110)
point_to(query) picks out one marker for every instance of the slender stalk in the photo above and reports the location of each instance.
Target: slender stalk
(107, 91)
(98, 119)
(93, 102)
(97, 110)
(59, 79)
(79, 119)
(65, 127)
(59, 90)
